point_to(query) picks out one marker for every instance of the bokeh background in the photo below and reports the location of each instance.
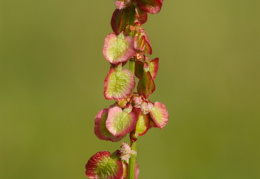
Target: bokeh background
(51, 87)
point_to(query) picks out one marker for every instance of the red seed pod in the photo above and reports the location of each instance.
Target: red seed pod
(101, 166)
(159, 114)
(151, 6)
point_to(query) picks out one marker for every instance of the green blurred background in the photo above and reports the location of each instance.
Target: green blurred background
(51, 87)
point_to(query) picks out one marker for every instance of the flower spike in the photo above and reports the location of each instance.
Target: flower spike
(132, 113)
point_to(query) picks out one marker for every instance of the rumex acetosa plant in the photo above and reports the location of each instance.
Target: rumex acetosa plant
(132, 113)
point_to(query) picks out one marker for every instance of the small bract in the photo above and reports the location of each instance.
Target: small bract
(153, 67)
(142, 125)
(139, 69)
(146, 85)
(121, 18)
(141, 16)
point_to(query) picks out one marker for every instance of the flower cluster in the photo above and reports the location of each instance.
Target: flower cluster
(132, 113)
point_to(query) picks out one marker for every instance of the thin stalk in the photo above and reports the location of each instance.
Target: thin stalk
(132, 163)
(132, 65)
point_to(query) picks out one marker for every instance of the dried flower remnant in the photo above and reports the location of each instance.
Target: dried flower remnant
(126, 152)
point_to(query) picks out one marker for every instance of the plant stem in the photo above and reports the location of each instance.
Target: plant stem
(132, 65)
(132, 162)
